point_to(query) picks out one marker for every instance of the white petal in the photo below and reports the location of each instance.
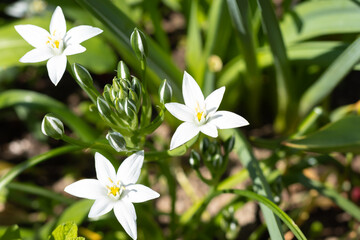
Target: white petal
(181, 111)
(87, 188)
(225, 119)
(37, 55)
(191, 92)
(34, 35)
(209, 129)
(183, 133)
(56, 67)
(58, 23)
(130, 168)
(81, 33)
(101, 206)
(124, 212)
(137, 193)
(104, 169)
(74, 49)
(213, 101)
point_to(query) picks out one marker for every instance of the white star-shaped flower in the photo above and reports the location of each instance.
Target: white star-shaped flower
(116, 191)
(56, 45)
(200, 114)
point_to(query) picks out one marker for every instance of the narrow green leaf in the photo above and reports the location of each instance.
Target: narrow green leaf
(260, 185)
(284, 85)
(15, 171)
(77, 212)
(330, 78)
(40, 191)
(240, 16)
(308, 18)
(194, 46)
(340, 136)
(47, 104)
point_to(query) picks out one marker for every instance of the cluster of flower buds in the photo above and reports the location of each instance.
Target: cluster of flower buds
(229, 224)
(214, 156)
(121, 101)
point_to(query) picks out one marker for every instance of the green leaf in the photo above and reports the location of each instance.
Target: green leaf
(330, 78)
(260, 185)
(340, 136)
(66, 231)
(77, 212)
(311, 19)
(284, 84)
(11, 233)
(15, 171)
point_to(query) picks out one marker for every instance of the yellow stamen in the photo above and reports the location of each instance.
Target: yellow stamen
(110, 180)
(199, 115)
(57, 43)
(114, 190)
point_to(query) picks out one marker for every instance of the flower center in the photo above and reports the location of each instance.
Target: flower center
(55, 42)
(115, 190)
(200, 115)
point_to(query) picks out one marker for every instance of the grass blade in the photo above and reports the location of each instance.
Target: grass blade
(15, 171)
(285, 88)
(260, 184)
(330, 78)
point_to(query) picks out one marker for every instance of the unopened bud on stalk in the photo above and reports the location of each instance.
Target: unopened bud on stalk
(217, 161)
(117, 141)
(103, 107)
(138, 44)
(82, 75)
(51, 126)
(229, 144)
(123, 71)
(136, 86)
(204, 145)
(165, 92)
(194, 159)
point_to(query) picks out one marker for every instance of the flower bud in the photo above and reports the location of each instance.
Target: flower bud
(165, 92)
(217, 161)
(122, 94)
(204, 145)
(103, 107)
(138, 44)
(229, 144)
(125, 84)
(82, 76)
(51, 126)
(123, 71)
(116, 140)
(129, 104)
(107, 93)
(136, 86)
(194, 159)
(133, 96)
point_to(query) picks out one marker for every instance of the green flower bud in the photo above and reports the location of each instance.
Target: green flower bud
(194, 159)
(165, 92)
(204, 145)
(129, 104)
(103, 107)
(229, 144)
(136, 86)
(123, 71)
(106, 93)
(138, 44)
(217, 161)
(82, 76)
(119, 105)
(125, 84)
(51, 126)
(122, 94)
(133, 96)
(116, 140)
(116, 84)
(131, 114)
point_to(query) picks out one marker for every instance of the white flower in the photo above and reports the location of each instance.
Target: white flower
(116, 191)
(56, 45)
(199, 114)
